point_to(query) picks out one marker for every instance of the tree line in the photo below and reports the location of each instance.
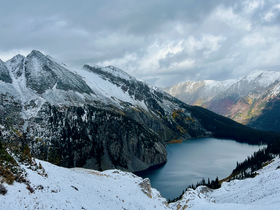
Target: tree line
(243, 170)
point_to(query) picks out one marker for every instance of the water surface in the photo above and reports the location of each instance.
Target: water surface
(195, 159)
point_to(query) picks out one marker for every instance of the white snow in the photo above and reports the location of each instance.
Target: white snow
(262, 82)
(107, 91)
(80, 188)
(56, 61)
(223, 85)
(210, 87)
(261, 192)
(262, 77)
(275, 91)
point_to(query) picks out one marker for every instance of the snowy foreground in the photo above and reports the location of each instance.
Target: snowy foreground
(79, 188)
(261, 192)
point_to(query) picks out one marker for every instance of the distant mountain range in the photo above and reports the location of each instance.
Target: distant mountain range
(99, 117)
(252, 100)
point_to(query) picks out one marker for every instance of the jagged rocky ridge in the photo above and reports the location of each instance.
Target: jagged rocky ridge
(252, 100)
(97, 117)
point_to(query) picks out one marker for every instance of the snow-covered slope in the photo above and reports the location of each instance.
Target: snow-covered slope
(261, 192)
(79, 188)
(107, 91)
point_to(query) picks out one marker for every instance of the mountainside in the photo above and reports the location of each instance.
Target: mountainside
(54, 111)
(99, 117)
(252, 100)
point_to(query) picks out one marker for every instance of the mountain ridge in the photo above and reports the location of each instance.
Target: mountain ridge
(99, 117)
(245, 100)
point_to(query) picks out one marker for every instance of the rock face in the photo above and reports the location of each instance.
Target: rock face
(96, 117)
(146, 187)
(251, 100)
(94, 138)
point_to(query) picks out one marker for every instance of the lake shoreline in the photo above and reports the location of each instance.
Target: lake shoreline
(193, 159)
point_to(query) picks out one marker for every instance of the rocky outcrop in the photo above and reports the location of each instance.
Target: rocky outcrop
(146, 187)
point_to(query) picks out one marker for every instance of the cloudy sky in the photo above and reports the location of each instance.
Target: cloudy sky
(163, 42)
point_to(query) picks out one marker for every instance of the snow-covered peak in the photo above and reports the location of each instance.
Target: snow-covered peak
(262, 77)
(36, 53)
(15, 59)
(15, 65)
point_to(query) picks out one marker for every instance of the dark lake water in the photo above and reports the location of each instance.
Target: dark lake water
(195, 159)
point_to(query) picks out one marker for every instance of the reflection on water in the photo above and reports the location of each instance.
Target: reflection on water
(195, 159)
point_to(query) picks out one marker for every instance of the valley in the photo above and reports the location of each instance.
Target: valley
(140, 105)
(95, 120)
(100, 117)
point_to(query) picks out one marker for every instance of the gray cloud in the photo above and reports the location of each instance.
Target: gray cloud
(162, 42)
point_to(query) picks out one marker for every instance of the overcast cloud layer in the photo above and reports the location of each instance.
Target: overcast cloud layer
(163, 42)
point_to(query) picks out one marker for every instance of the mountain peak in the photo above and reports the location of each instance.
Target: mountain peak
(36, 53)
(262, 77)
(44, 73)
(15, 65)
(16, 58)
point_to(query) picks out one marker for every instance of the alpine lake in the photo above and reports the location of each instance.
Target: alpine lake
(192, 160)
